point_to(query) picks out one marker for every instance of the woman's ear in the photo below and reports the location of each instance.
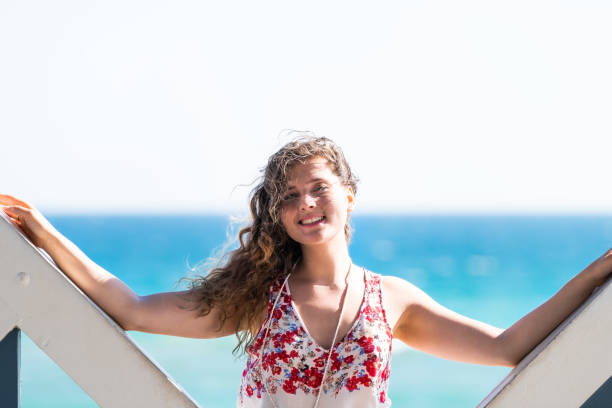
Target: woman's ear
(351, 199)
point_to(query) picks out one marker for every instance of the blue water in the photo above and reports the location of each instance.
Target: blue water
(491, 268)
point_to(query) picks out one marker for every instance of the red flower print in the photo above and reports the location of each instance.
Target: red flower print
(289, 387)
(371, 367)
(385, 373)
(277, 314)
(249, 390)
(258, 343)
(283, 356)
(352, 383)
(349, 359)
(365, 380)
(335, 365)
(276, 370)
(383, 397)
(287, 337)
(319, 362)
(369, 313)
(364, 341)
(313, 377)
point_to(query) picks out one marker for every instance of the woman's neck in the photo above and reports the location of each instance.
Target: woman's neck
(324, 264)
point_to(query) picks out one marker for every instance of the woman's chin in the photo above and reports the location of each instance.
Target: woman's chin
(318, 239)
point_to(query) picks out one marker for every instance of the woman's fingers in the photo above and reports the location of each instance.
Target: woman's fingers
(31, 222)
(17, 210)
(18, 216)
(16, 213)
(6, 199)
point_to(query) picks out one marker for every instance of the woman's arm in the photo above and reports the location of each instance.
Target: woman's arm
(426, 325)
(163, 313)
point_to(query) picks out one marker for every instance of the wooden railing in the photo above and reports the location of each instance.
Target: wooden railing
(36, 297)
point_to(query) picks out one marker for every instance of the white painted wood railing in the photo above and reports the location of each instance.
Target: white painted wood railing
(75, 333)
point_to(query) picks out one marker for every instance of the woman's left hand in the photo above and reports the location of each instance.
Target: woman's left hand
(600, 269)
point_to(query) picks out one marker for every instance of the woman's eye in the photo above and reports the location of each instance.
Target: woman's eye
(293, 196)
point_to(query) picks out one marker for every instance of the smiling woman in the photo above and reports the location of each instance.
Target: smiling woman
(316, 328)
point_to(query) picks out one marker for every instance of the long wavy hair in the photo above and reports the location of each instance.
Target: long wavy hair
(239, 288)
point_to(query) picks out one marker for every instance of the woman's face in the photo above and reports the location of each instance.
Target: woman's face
(315, 204)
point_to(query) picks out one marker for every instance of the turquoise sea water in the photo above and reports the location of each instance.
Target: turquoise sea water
(491, 268)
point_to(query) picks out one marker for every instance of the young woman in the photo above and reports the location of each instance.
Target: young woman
(316, 328)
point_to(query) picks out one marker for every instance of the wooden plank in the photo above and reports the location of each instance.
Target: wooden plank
(9, 369)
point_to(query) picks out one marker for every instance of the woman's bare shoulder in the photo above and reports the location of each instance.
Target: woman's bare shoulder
(398, 296)
(396, 286)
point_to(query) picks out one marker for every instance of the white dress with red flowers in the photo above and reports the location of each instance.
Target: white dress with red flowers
(292, 365)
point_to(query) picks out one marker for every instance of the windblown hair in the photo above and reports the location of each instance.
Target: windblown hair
(239, 289)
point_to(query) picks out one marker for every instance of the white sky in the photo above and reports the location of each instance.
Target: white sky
(440, 106)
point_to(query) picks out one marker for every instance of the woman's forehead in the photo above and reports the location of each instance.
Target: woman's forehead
(312, 170)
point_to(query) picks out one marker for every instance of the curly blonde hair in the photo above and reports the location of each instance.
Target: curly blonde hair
(239, 288)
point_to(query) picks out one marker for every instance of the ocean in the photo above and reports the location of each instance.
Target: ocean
(493, 268)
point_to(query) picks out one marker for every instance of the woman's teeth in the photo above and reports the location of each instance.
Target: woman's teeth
(312, 220)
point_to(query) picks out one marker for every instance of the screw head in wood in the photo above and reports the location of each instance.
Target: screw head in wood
(23, 278)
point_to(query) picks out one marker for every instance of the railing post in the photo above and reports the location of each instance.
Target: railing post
(601, 398)
(10, 350)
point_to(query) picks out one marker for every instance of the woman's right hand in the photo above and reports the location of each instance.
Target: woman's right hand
(28, 219)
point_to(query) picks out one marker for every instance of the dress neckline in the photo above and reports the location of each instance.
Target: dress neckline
(350, 330)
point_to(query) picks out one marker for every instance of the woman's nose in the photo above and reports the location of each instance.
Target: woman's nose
(307, 201)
